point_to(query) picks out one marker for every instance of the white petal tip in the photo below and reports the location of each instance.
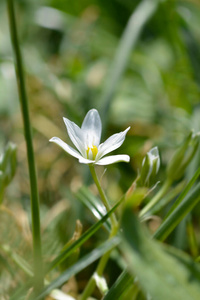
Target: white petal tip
(93, 110)
(65, 120)
(108, 160)
(52, 139)
(127, 160)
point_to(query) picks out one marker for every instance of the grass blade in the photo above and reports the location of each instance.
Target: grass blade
(63, 255)
(35, 211)
(93, 203)
(79, 266)
(161, 275)
(184, 193)
(137, 21)
(178, 213)
(122, 284)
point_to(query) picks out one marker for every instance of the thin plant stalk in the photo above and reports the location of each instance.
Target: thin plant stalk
(104, 259)
(103, 196)
(37, 249)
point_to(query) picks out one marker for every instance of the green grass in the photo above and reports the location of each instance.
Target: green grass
(138, 64)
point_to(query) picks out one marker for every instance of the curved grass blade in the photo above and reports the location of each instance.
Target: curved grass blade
(184, 193)
(79, 266)
(6, 265)
(122, 284)
(178, 213)
(128, 41)
(62, 256)
(21, 292)
(159, 274)
(93, 204)
(19, 261)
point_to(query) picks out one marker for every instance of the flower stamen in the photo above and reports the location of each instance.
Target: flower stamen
(92, 152)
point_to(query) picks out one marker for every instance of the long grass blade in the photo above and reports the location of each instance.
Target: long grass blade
(162, 275)
(37, 248)
(178, 214)
(63, 255)
(122, 284)
(80, 265)
(128, 41)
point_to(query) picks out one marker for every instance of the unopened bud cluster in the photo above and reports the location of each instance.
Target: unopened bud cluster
(150, 167)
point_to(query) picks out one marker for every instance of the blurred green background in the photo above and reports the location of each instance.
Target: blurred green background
(70, 52)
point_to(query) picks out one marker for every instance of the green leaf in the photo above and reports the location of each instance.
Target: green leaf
(172, 194)
(185, 259)
(65, 253)
(129, 39)
(21, 292)
(79, 266)
(182, 157)
(122, 284)
(6, 264)
(19, 261)
(185, 192)
(94, 204)
(178, 213)
(159, 274)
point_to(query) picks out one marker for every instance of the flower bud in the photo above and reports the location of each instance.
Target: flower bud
(150, 167)
(183, 156)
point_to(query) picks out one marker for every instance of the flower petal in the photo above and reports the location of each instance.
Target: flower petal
(108, 160)
(112, 143)
(83, 160)
(66, 147)
(91, 128)
(75, 135)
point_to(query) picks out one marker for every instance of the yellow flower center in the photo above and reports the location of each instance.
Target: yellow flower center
(92, 152)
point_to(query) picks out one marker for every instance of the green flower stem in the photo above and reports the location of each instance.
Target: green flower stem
(103, 261)
(156, 198)
(103, 196)
(37, 251)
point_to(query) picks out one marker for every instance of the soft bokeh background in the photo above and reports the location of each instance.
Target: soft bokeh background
(68, 50)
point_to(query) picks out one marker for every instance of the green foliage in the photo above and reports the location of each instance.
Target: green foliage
(138, 63)
(178, 211)
(182, 157)
(120, 287)
(159, 274)
(8, 162)
(80, 265)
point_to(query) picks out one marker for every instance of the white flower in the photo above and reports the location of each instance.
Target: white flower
(87, 141)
